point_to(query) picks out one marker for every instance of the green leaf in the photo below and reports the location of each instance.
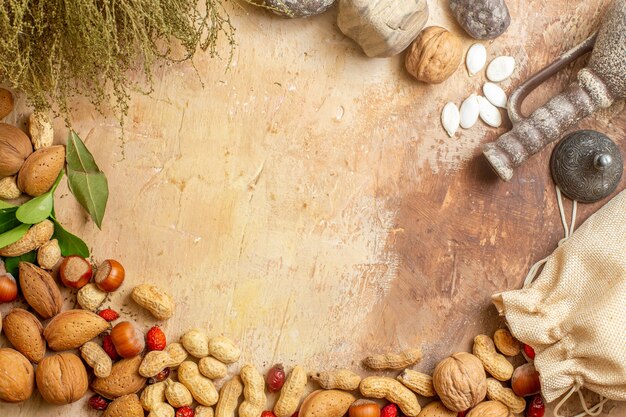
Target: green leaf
(36, 210)
(12, 264)
(88, 184)
(4, 205)
(13, 235)
(69, 243)
(8, 220)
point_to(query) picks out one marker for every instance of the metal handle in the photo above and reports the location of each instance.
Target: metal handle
(523, 90)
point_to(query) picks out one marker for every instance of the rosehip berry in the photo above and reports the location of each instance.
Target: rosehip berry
(390, 410)
(275, 378)
(109, 314)
(529, 351)
(267, 413)
(536, 408)
(98, 402)
(109, 347)
(461, 413)
(160, 377)
(185, 412)
(155, 339)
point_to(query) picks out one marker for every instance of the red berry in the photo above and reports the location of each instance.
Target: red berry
(156, 339)
(461, 413)
(536, 408)
(296, 414)
(160, 377)
(390, 410)
(98, 402)
(185, 412)
(529, 351)
(275, 378)
(109, 347)
(109, 314)
(267, 413)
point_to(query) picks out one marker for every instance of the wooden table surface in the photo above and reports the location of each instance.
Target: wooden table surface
(307, 202)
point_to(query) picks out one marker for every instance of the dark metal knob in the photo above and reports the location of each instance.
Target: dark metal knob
(587, 166)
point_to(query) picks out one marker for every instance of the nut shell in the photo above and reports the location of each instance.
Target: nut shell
(125, 406)
(460, 381)
(25, 333)
(9, 189)
(124, 379)
(73, 328)
(15, 148)
(159, 303)
(436, 409)
(110, 275)
(41, 132)
(326, 403)
(490, 409)
(40, 170)
(434, 55)
(22, 382)
(6, 103)
(49, 254)
(34, 238)
(128, 340)
(90, 297)
(62, 378)
(40, 290)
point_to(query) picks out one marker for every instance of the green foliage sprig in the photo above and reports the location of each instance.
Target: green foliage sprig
(53, 50)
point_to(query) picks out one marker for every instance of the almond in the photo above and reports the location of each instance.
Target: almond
(125, 406)
(62, 378)
(34, 238)
(19, 386)
(40, 170)
(326, 403)
(6, 103)
(15, 148)
(40, 290)
(124, 379)
(25, 333)
(73, 328)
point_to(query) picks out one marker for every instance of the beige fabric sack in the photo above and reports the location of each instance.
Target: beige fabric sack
(574, 313)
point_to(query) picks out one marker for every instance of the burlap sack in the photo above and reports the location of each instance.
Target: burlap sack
(574, 313)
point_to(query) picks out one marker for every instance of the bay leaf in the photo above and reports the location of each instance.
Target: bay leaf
(13, 235)
(70, 244)
(12, 264)
(36, 210)
(86, 181)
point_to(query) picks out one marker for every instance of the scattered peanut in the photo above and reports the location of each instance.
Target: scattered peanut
(202, 411)
(212, 368)
(157, 360)
(253, 392)
(490, 409)
(49, 254)
(291, 393)
(418, 382)
(340, 379)
(436, 409)
(36, 236)
(229, 396)
(90, 297)
(196, 342)
(159, 303)
(41, 132)
(9, 189)
(496, 392)
(393, 391)
(201, 388)
(162, 410)
(393, 360)
(177, 394)
(152, 396)
(97, 358)
(497, 365)
(506, 343)
(224, 349)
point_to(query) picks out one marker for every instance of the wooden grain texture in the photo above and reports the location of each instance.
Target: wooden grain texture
(307, 202)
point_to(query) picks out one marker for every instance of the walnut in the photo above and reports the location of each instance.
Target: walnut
(434, 55)
(460, 381)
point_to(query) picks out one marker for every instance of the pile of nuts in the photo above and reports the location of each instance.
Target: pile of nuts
(134, 373)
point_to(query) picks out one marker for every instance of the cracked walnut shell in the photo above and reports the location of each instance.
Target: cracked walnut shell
(434, 55)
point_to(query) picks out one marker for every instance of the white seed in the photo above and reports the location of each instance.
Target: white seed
(450, 118)
(476, 58)
(489, 113)
(495, 95)
(469, 112)
(500, 68)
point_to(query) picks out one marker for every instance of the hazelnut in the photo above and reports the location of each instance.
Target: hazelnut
(75, 271)
(434, 55)
(128, 340)
(110, 275)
